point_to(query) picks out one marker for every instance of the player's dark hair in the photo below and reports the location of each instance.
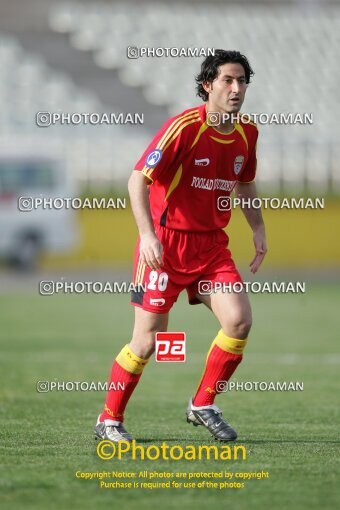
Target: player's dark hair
(210, 68)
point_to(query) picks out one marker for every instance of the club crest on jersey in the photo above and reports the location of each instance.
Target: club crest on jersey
(238, 164)
(153, 158)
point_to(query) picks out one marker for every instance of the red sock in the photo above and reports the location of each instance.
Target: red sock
(220, 366)
(125, 374)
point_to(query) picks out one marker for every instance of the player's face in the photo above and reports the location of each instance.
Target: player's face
(227, 91)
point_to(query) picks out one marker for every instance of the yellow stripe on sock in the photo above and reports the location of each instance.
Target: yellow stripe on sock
(130, 361)
(226, 343)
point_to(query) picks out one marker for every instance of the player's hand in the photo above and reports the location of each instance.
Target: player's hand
(260, 244)
(151, 251)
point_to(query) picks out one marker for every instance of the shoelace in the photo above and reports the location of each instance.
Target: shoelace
(122, 430)
(218, 413)
(112, 429)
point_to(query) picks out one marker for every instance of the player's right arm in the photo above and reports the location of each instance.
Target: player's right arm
(158, 163)
(151, 250)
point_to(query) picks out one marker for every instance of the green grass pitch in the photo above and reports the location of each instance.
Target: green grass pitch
(46, 438)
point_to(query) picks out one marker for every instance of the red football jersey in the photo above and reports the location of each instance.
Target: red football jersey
(191, 165)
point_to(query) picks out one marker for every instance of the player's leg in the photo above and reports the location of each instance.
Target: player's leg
(131, 360)
(153, 300)
(126, 372)
(147, 324)
(234, 314)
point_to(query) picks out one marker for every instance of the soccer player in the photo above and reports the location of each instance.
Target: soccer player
(175, 191)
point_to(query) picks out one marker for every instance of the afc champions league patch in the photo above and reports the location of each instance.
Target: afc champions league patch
(238, 164)
(153, 158)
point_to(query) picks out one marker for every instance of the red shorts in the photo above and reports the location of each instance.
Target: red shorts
(189, 258)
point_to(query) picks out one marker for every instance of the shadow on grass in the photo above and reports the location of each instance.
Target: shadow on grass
(246, 441)
(171, 439)
(292, 441)
(238, 442)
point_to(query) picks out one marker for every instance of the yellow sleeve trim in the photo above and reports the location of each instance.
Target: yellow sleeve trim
(145, 173)
(174, 125)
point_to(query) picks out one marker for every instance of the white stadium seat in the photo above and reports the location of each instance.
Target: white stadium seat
(294, 53)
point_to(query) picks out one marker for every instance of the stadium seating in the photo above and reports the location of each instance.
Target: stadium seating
(96, 153)
(293, 52)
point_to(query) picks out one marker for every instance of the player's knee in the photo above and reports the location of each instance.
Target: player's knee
(238, 326)
(143, 340)
(142, 346)
(243, 329)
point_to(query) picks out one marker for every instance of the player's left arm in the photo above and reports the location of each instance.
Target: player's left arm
(247, 190)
